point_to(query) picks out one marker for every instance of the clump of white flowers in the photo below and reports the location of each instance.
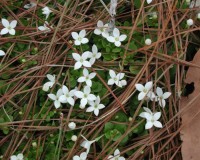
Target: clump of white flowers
(20, 156)
(45, 27)
(9, 27)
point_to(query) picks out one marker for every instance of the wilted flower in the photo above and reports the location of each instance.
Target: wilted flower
(47, 85)
(30, 5)
(86, 144)
(46, 11)
(44, 27)
(101, 29)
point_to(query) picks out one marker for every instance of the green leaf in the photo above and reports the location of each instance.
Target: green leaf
(108, 126)
(116, 50)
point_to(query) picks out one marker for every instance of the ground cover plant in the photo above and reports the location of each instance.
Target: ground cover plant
(93, 79)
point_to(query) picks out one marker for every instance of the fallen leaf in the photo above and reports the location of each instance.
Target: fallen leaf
(190, 133)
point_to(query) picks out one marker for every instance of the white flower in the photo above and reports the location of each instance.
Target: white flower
(148, 41)
(198, 15)
(152, 118)
(143, 89)
(18, 157)
(30, 5)
(55, 98)
(67, 96)
(101, 29)
(86, 144)
(74, 138)
(149, 1)
(85, 96)
(116, 38)
(44, 27)
(80, 38)
(50, 84)
(46, 11)
(87, 77)
(9, 26)
(116, 156)
(81, 60)
(2, 53)
(95, 106)
(83, 156)
(161, 96)
(94, 54)
(72, 125)
(190, 22)
(116, 79)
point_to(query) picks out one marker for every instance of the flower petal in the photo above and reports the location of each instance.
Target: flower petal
(112, 74)
(96, 112)
(89, 83)
(2, 53)
(94, 49)
(75, 35)
(90, 109)
(83, 155)
(117, 152)
(157, 124)
(122, 37)
(77, 42)
(111, 39)
(86, 64)
(13, 24)
(117, 43)
(141, 96)
(111, 81)
(87, 90)
(76, 56)
(77, 65)
(92, 75)
(148, 125)
(65, 89)
(59, 93)
(147, 110)
(51, 77)
(159, 91)
(82, 33)
(123, 82)
(81, 79)
(76, 158)
(52, 96)
(84, 40)
(70, 100)
(97, 31)
(86, 55)
(79, 94)
(12, 31)
(100, 23)
(5, 22)
(57, 104)
(120, 75)
(83, 101)
(156, 115)
(4, 31)
(116, 32)
(63, 99)
(162, 102)
(139, 87)
(91, 97)
(149, 85)
(166, 95)
(85, 72)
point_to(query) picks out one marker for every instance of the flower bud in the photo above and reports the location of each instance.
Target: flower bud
(72, 125)
(148, 41)
(74, 138)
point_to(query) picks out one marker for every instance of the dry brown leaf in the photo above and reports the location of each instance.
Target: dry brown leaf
(190, 133)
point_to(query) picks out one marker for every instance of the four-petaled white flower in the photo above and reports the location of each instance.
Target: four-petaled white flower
(151, 118)
(87, 77)
(80, 38)
(85, 96)
(116, 38)
(67, 96)
(81, 60)
(116, 156)
(95, 106)
(101, 29)
(18, 157)
(94, 55)
(9, 26)
(44, 27)
(161, 96)
(144, 90)
(46, 11)
(30, 5)
(82, 156)
(55, 98)
(116, 79)
(86, 144)
(47, 85)
(2, 53)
